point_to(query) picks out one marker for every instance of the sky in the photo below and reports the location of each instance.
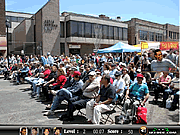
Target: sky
(158, 11)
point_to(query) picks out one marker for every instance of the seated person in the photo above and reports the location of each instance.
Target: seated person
(137, 90)
(174, 90)
(138, 71)
(58, 84)
(44, 74)
(22, 73)
(163, 82)
(104, 102)
(119, 85)
(90, 91)
(67, 93)
(34, 74)
(51, 79)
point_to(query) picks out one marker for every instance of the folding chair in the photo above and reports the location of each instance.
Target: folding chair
(104, 120)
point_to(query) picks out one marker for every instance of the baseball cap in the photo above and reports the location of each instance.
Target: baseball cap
(48, 53)
(140, 75)
(76, 73)
(92, 73)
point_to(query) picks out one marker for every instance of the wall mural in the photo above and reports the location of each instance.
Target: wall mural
(49, 26)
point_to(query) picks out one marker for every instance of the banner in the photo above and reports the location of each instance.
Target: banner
(144, 45)
(169, 45)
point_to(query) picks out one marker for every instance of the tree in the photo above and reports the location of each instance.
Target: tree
(97, 36)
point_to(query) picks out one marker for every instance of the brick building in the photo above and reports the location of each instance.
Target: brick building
(142, 30)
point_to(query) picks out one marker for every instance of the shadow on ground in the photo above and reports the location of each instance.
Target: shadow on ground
(174, 118)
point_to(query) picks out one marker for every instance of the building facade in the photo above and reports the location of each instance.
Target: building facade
(71, 33)
(142, 30)
(15, 19)
(40, 33)
(80, 33)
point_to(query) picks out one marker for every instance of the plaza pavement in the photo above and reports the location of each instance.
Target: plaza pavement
(18, 108)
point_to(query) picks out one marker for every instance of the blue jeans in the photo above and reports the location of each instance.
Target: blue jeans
(30, 79)
(34, 85)
(61, 95)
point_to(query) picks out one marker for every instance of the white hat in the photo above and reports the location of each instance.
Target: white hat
(92, 73)
(138, 70)
(123, 64)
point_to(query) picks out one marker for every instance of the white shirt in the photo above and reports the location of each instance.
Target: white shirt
(119, 84)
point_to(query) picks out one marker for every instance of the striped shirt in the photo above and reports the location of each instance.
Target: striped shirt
(163, 65)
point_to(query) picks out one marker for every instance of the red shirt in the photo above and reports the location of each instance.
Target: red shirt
(46, 73)
(61, 80)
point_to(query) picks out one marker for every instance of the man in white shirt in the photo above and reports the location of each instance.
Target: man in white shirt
(113, 71)
(119, 85)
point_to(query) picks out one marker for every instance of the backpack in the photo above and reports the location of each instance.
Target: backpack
(141, 113)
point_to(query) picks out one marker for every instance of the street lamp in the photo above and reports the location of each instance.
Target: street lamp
(7, 26)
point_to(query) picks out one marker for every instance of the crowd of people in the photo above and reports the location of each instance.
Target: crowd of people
(97, 82)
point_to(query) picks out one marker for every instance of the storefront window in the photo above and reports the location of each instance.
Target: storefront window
(111, 32)
(170, 34)
(125, 32)
(115, 33)
(174, 35)
(151, 36)
(105, 32)
(74, 30)
(62, 47)
(14, 19)
(62, 29)
(88, 30)
(80, 29)
(120, 33)
(143, 35)
(177, 35)
(68, 29)
(159, 37)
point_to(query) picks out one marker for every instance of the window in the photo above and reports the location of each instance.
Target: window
(174, 35)
(125, 32)
(88, 30)
(93, 32)
(143, 35)
(62, 47)
(111, 32)
(177, 35)
(170, 34)
(68, 29)
(159, 37)
(151, 36)
(14, 19)
(73, 28)
(120, 33)
(62, 29)
(115, 33)
(105, 32)
(80, 29)
(20, 19)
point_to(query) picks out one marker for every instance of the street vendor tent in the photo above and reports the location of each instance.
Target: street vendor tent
(119, 48)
